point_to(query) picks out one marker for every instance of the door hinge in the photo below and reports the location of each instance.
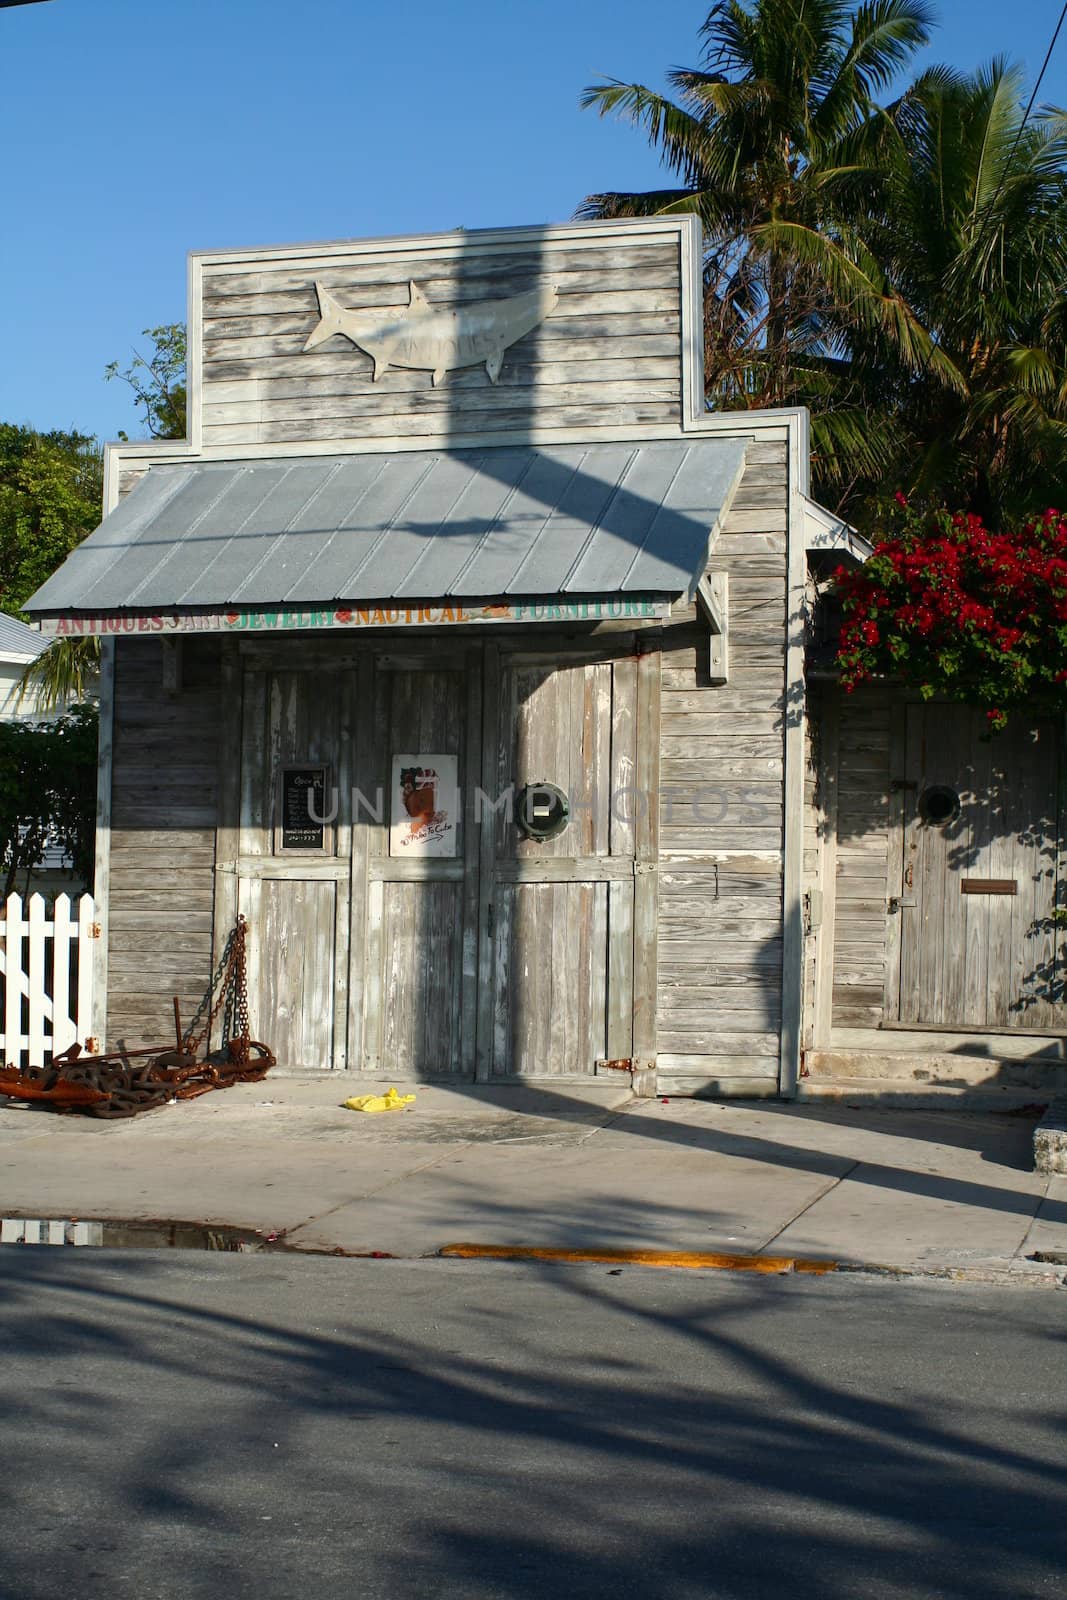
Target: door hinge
(897, 784)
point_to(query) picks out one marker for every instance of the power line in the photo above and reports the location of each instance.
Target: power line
(1030, 105)
(991, 208)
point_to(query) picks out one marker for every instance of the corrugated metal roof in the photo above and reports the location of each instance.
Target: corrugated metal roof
(18, 642)
(570, 519)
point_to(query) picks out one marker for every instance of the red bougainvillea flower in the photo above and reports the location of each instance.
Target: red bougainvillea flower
(958, 609)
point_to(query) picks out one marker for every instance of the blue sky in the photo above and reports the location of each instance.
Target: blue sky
(135, 130)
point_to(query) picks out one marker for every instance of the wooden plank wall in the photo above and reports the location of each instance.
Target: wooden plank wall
(811, 880)
(862, 849)
(720, 910)
(607, 356)
(164, 781)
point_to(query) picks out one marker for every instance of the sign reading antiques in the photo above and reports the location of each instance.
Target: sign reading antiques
(618, 609)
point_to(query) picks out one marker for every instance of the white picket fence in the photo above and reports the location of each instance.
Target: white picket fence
(46, 977)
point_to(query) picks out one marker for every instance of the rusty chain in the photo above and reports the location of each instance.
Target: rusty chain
(230, 982)
(123, 1082)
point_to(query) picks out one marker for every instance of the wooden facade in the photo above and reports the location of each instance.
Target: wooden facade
(647, 932)
(664, 927)
(750, 891)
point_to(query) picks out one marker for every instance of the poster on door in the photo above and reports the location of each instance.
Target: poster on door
(425, 805)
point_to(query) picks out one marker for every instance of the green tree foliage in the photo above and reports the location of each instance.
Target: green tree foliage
(67, 669)
(900, 269)
(776, 142)
(50, 489)
(974, 232)
(47, 794)
(158, 381)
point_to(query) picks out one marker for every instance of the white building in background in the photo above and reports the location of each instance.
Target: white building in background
(19, 647)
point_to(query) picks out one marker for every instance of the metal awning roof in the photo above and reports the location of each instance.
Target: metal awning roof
(569, 520)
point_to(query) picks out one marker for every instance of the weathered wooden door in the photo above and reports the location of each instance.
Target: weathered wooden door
(293, 872)
(413, 998)
(557, 944)
(418, 930)
(980, 944)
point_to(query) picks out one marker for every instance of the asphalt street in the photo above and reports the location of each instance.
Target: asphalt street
(195, 1425)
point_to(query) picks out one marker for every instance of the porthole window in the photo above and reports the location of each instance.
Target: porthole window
(541, 811)
(939, 805)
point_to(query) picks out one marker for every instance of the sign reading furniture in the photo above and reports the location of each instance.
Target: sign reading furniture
(384, 616)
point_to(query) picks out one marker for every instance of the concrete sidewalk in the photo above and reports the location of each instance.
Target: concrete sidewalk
(573, 1166)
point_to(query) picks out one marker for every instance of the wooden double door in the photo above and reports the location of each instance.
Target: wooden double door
(981, 874)
(418, 930)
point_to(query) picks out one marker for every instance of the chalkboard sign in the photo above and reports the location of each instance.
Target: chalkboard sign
(303, 792)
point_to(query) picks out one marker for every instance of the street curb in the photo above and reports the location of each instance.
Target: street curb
(21, 1231)
(697, 1260)
(709, 1261)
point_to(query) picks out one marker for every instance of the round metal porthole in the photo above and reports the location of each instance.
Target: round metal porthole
(541, 810)
(939, 805)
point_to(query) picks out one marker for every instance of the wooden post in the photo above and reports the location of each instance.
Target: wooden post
(64, 1033)
(227, 833)
(102, 873)
(793, 781)
(646, 866)
(485, 1062)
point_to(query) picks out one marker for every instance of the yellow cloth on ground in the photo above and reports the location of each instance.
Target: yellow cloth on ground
(379, 1102)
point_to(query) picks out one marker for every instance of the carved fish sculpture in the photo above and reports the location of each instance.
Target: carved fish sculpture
(425, 337)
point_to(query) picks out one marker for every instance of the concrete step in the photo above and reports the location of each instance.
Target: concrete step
(959, 1070)
(1018, 1045)
(901, 1094)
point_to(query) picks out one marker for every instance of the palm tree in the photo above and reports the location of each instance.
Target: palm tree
(63, 675)
(779, 147)
(974, 233)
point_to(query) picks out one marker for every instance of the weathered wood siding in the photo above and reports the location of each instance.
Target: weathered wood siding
(608, 355)
(862, 847)
(721, 815)
(164, 780)
(812, 878)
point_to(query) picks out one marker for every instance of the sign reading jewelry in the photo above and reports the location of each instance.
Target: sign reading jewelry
(630, 609)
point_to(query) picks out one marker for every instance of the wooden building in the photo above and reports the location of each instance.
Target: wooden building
(462, 650)
(935, 890)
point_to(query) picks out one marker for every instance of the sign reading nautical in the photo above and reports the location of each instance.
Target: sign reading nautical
(432, 338)
(636, 608)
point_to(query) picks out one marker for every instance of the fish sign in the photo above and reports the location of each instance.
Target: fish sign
(424, 338)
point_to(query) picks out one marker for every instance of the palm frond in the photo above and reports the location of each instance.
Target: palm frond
(62, 675)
